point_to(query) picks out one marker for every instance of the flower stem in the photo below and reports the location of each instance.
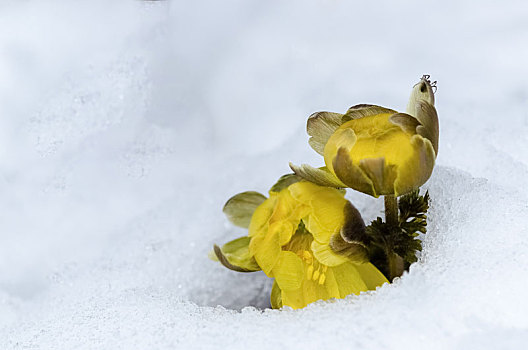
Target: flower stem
(395, 262)
(396, 265)
(391, 210)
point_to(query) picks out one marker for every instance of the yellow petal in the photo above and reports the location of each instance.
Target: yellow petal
(276, 297)
(284, 229)
(351, 174)
(309, 292)
(304, 191)
(426, 114)
(418, 167)
(266, 250)
(372, 277)
(348, 279)
(289, 271)
(330, 284)
(382, 150)
(327, 215)
(380, 173)
(344, 137)
(283, 206)
(312, 290)
(293, 298)
(261, 216)
(355, 251)
(377, 137)
(324, 254)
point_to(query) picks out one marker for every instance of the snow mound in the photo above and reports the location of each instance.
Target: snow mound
(126, 126)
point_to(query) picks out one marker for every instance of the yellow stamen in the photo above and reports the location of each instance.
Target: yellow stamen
(322, 278)
(307, 255)
(309, 272)
(325, 268)
(315, 275)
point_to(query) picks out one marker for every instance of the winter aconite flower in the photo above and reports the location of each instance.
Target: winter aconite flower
(376, 150)
(308, 237)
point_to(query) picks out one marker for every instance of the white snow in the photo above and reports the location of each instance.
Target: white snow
(125, 125)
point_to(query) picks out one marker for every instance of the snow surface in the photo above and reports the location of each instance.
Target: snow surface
(125, 125)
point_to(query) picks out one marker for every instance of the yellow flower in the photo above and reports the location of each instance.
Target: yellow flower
(311, 240)
(376, 150)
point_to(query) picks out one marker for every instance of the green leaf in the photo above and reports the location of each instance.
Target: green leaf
(412, 205)
(403, 238)
(240, 208)
(364, 110)
(235, 255)
(319, 176)
(285, 181)
(320, 126)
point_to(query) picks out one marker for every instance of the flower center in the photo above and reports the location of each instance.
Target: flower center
(300, 244)
(315, 271)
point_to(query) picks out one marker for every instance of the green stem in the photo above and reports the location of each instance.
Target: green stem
(391, 210)
(396, 265)
(395, 262)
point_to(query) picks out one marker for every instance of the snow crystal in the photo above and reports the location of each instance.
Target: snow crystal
(126, 126)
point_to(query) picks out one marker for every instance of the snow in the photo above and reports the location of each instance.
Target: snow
(125, 125)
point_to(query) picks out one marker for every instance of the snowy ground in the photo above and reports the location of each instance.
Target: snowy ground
(125, 125)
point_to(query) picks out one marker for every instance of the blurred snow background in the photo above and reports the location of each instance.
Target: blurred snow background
(125, 125)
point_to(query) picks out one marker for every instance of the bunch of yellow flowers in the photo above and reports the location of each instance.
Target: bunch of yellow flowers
(308, 236)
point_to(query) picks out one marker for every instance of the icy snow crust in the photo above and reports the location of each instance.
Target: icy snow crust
(124, 127)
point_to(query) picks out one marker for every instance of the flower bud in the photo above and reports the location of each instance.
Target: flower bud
(376, 150)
